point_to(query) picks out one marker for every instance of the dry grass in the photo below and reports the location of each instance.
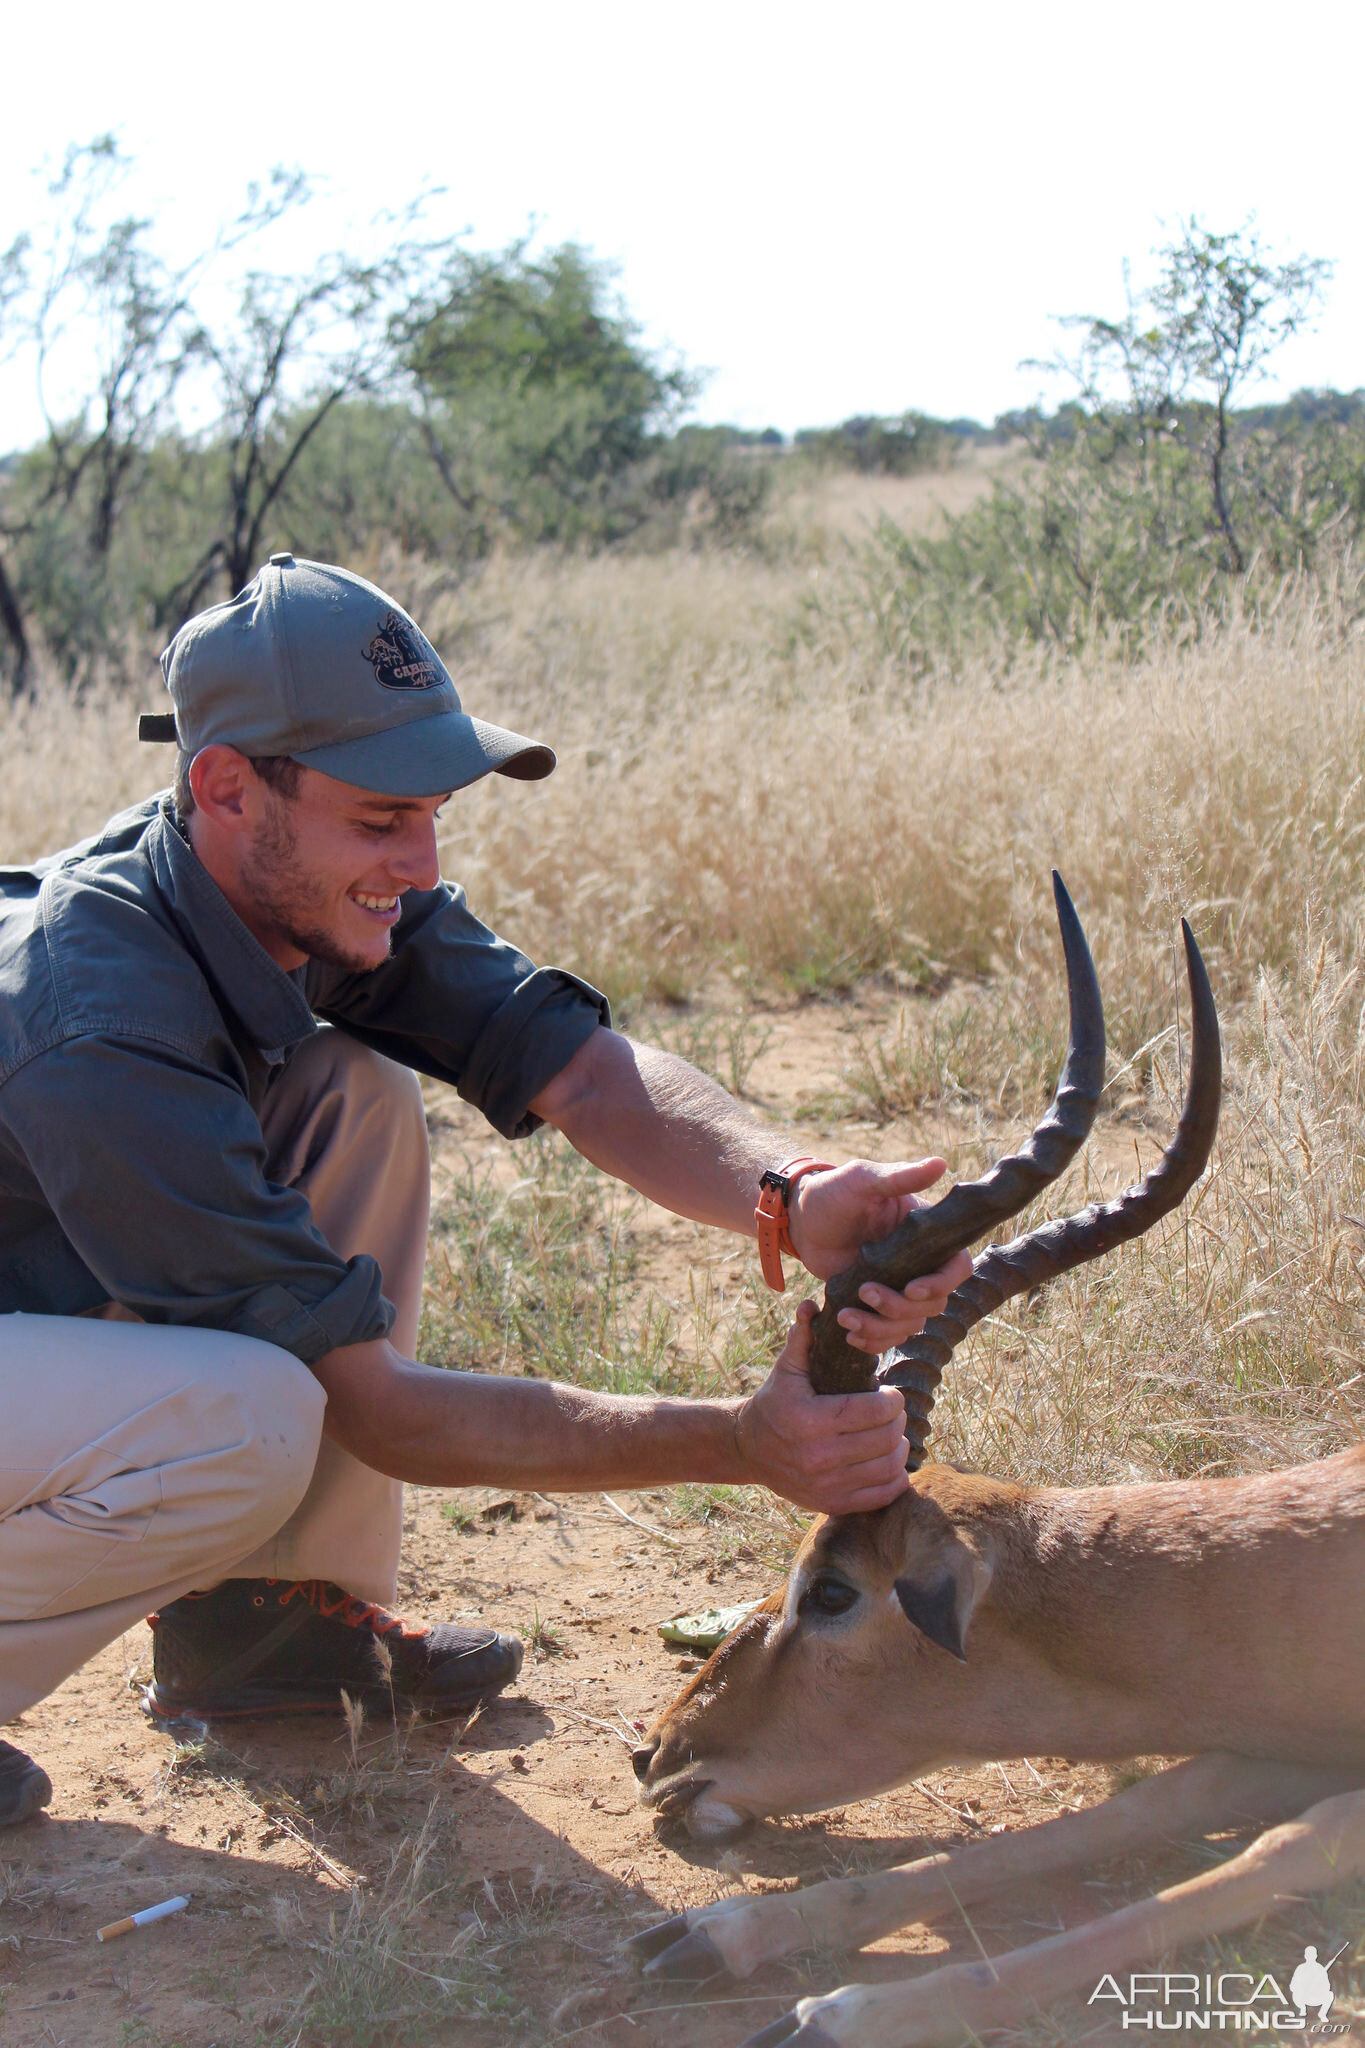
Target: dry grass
(743, 810)
(732, 796)
(736, 795)
(1230, 1340)
(813, 512)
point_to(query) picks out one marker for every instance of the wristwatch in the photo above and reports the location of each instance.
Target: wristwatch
(772, 1218)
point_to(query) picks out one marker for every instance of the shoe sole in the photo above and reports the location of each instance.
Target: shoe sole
(34, 1793)
(166, 1710)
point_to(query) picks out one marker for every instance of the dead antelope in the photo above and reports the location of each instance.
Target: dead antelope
(974, 1621)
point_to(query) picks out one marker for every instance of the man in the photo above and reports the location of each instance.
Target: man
(213, 1195)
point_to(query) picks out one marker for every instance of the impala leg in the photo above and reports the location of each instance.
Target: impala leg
(740, 1934)
(1324, 1848)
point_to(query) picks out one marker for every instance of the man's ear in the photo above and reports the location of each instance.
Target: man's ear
(221, 781)
(943, 1578)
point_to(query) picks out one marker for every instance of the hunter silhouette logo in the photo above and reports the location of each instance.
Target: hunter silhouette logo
(1311, 1985)
(401, 658)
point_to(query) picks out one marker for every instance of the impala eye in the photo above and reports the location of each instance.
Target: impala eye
(828, 1595)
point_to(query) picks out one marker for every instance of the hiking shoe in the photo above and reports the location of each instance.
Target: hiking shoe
(271, 1646)
(25, 1786)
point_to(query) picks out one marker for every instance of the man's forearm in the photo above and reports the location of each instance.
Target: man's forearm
(653, 1121)
(441, 1428)
(840, 1453)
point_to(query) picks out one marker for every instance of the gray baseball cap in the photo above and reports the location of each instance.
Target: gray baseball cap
(316, 663)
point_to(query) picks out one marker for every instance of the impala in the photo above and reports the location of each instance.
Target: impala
(973, 1620)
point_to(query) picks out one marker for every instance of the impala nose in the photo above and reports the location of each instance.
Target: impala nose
(643, 1757)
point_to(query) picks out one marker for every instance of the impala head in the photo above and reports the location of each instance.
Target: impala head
(878, 1612)
(855, 1677)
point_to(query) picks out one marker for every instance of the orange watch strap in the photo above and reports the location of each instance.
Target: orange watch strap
(773, 1219)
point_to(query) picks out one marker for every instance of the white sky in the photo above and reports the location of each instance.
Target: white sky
(835, 208)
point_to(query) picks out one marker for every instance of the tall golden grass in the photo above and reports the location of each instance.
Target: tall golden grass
(752, 802)
(734, 795)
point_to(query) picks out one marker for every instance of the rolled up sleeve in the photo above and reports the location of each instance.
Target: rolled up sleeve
(458, 1003)
(153, 1165)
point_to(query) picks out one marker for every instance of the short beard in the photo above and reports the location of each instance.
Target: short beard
(286, 899)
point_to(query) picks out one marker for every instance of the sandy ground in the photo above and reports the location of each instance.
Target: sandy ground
(537, 1828)
(506, 1859)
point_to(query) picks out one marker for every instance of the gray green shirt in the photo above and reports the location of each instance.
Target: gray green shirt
(140, 1027)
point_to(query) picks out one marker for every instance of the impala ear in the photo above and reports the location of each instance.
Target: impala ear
(936, 1611)
(940, 1586)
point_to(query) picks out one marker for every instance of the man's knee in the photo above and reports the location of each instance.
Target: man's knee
(371, 1081)
(259, 1427)
(338, 1097)
(333, 1059)
(155, 1454)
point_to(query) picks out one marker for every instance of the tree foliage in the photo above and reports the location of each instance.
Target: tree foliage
(1152, 487)
(199, 415)
(904, 444)
(199, 387)
(534, 391)
(1161, 382)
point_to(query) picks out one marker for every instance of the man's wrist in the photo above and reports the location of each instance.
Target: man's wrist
(779, 1197)
(738, 1419)
(717, 1452)
(795, 1200)
(677, 1441)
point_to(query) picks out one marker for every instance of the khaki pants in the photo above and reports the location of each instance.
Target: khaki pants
(138, 1462)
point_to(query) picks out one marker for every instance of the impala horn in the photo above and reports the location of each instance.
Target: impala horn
(926, 1237)
(1040, 1255)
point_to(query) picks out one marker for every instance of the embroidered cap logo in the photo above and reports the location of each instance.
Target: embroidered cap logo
(401, 658)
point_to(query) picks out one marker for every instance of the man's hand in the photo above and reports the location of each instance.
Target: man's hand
(836, 1212)
(840, 1453)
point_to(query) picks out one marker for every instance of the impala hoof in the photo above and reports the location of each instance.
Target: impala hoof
(780, 2030)
(695, 1957)
(802, 2033)
(652, 1941)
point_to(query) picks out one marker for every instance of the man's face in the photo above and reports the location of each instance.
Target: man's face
(324, 872)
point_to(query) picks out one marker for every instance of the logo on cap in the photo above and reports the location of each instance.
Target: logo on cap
(401, 658)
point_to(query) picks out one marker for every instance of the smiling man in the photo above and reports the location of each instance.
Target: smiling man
(214, 1183)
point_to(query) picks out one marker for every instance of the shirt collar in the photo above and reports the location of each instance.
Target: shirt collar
(270, 1004)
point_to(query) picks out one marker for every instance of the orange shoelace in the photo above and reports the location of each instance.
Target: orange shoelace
(333, 1604)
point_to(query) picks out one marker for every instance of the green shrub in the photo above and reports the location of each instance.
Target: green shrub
(1150, 494)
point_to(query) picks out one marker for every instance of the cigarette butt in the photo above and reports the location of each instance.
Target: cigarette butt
(142, 1919)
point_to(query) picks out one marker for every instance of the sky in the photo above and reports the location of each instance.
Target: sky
(829, 209)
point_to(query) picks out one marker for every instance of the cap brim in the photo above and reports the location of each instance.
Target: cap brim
(428, 756)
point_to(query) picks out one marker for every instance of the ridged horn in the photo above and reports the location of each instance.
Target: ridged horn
(1040, 1255)
(930, 1235)
(926, 1238)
